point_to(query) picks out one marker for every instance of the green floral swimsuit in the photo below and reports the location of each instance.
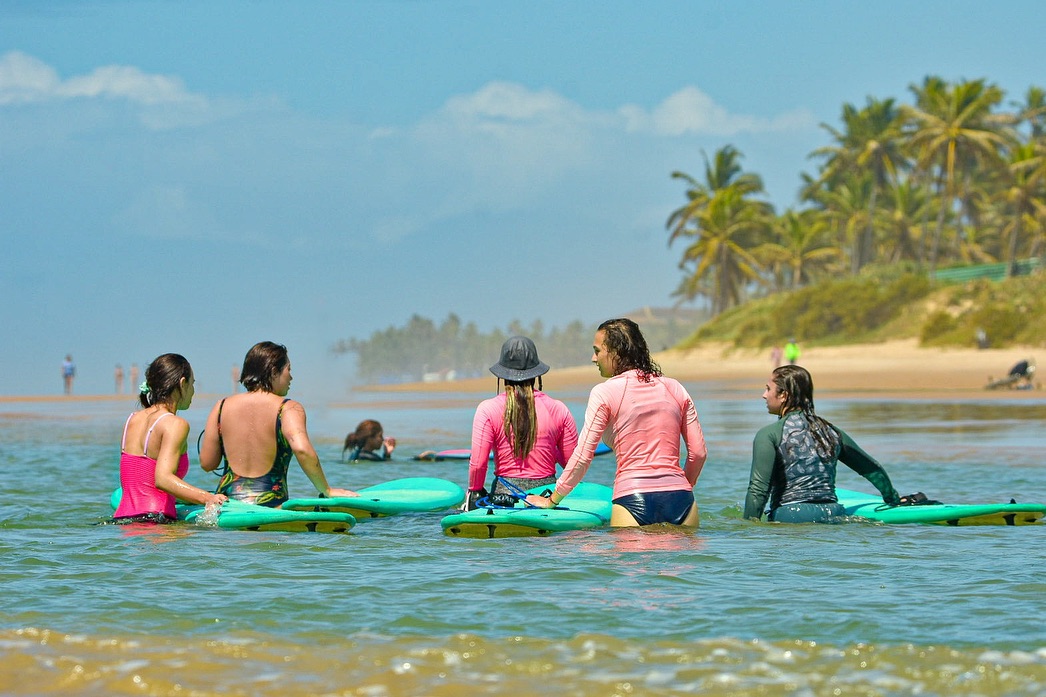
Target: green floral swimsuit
(270, 489)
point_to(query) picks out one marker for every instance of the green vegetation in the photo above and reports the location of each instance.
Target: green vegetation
(421, 348)
(885, 303)
(957, 177)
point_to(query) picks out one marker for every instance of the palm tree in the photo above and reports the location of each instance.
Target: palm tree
(719, 257)
(725, 223)
(1032, 111)
(799, 248)
(903, 221)
(846, 207)
(1024, 198)
(870, 142)
(725, 172)
(954, 133)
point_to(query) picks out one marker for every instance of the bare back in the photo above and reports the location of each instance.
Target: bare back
(247, 426)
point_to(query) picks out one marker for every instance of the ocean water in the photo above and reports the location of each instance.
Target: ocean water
(397, 608)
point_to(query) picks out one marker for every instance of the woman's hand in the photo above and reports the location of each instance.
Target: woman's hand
(539, 501)
(333, 493)
(216, 499)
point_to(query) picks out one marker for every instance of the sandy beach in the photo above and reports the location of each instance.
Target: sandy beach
(897, 369)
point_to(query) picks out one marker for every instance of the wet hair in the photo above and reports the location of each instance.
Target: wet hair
(521, 420)
(626, 343)
(162, 378)
(798, 386)
(262, 362)
(366, 430)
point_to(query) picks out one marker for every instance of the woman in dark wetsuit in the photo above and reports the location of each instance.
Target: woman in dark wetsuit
(794, 459)
(256, 433)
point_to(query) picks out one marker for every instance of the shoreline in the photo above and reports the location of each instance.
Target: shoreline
(891, 370)
(896, 370)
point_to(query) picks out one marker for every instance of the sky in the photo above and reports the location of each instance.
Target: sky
(195, 177)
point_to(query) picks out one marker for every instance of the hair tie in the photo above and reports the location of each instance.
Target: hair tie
(144, 387)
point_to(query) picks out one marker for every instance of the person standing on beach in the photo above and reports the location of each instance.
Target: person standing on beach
(641, 415)
(794, 459)
(775, 357)
(134, 376)
(791, 352)
(68, 373)
(118, 378)
(153, 452)
(528, 431)
(254, 434)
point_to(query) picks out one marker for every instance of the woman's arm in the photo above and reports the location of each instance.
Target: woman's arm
(297, 435)
(173, 436)
(694, 439)
(597, 416)
(210, 448)
(481, 444)
(868, 467)
(764, 456)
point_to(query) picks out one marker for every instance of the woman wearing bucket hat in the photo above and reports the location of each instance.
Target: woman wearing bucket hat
(528, 431)
(641, 415)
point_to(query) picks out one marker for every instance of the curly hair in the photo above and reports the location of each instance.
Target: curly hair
(626, 344)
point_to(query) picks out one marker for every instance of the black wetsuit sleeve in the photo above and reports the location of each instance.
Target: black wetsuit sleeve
(865, 465)
(764, 455)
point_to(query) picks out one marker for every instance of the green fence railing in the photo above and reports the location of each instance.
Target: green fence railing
(993, 272)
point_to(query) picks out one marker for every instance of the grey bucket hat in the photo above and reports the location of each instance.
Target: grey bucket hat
(519, 361)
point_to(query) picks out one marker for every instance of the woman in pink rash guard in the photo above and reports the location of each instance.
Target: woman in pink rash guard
(528, 431)
(641, 415)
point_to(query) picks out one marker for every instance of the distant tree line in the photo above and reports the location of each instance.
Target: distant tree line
(956, 177)
(453, 348)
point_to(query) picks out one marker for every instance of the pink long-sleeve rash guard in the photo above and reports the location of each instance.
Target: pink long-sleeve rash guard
(642, 421)
(555, 442)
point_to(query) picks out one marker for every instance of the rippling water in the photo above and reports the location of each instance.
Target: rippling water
(396, 608)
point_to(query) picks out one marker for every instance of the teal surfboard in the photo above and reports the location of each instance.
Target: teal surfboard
(408, 495)
(587, 506)
(237, 515)
(871, 506)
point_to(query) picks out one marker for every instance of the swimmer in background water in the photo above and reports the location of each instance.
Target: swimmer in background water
(368, 442)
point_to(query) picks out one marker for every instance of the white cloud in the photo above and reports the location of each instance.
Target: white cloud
(25, 79)
(691, 111)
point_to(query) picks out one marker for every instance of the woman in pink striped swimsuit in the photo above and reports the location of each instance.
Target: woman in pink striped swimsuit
(641, 415)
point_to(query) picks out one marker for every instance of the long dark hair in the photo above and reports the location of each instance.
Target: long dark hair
(796, 383)
(162, 378)
(365, 430)
(262, 362)
(626, 343)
